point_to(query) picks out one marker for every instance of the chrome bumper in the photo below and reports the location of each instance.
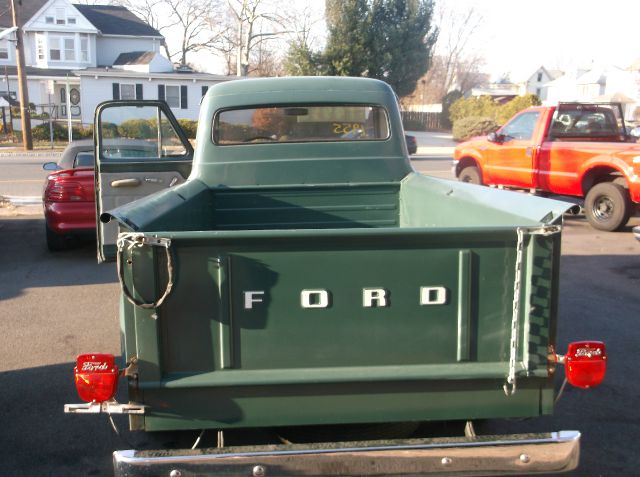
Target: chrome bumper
(490, 455)
(636, 232)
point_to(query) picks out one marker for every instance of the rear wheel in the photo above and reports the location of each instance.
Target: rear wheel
(470, 174)
(607, 206)
(55, 242)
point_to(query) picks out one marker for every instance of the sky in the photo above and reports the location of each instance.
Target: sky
(518, 36)
(515, 37)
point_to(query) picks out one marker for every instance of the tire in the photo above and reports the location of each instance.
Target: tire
(470, 174)
(55, 242)
(607, 206)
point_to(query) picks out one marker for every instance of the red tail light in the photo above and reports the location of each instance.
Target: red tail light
(96, 377)
(65, 192)
(585, 363)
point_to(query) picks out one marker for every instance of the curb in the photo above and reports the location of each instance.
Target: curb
(19, 200)
(51, 153)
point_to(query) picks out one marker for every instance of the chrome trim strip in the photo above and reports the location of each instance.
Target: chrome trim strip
(491, 455)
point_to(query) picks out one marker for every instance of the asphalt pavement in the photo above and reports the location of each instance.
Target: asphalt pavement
(54, 306)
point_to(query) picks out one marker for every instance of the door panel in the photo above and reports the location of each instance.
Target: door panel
(510, 161)
(140, 150)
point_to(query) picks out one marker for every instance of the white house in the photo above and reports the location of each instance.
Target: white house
(538, 82)
(78, 55)
(600, 84)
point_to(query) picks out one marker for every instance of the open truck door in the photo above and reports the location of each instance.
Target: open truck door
(140, 150)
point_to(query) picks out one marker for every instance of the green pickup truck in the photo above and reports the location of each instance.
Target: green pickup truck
(295, 274)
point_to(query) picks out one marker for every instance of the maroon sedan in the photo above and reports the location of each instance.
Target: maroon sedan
(68, 198)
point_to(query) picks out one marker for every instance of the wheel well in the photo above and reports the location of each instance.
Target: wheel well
(601, 174)
(466, 162)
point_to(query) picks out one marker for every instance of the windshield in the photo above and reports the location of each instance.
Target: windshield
(303, 123)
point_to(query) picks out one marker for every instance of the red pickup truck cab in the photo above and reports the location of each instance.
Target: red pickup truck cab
(573, 149)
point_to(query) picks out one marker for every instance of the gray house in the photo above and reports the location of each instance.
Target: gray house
(78, 55)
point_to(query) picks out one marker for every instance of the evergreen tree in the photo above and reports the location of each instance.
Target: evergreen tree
(302, 61)
(390, 40)
(400, 42)
(348, 26)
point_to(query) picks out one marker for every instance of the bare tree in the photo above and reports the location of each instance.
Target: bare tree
(455, 65)
(186, 24)
(251, 24)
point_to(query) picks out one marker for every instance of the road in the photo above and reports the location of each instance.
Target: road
(53, 306)
(22, 174)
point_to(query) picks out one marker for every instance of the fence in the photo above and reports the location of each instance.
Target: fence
(52, 118)
(421, 121)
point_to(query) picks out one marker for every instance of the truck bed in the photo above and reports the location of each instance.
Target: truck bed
(338, 304)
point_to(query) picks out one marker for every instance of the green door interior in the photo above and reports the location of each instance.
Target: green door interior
(140, 150)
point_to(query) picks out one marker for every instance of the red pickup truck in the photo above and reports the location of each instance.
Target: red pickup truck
(573, 149)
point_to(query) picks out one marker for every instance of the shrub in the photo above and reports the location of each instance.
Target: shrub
(109, 130)
(82, 132)
(41, 132)
(507, 110)
(138, 129)
(483, 106)
(447, 101)
(189, 127)
(60, 132)
(466, 128)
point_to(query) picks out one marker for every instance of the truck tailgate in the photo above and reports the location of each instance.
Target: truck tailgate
(290, 327)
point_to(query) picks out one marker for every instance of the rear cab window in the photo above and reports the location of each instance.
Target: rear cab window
(587, 122)
(301, 123)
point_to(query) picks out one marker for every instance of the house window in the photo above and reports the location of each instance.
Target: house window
(40, 47)
(539, 93)
(539, 77)
(4, 50)
(60, 16)
(48, 20)
(84, 49)
(127, 91)
(71, 20)
(54, 49)
(69, 49)
(172, 96)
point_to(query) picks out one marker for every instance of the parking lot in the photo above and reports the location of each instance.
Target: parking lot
(53, 306)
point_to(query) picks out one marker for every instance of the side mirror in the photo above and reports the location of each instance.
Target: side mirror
(494, 137)
(50, 166)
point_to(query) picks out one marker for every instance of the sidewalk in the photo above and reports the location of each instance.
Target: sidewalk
(13, 151)
(433, 143)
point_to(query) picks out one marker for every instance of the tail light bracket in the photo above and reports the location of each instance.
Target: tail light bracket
(107, 407)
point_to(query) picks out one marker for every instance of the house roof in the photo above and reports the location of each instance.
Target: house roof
(40, 72)
(109, 19)
(27, 11)
(134, 58)
(555, 74)
(119, 73)
(116, 20)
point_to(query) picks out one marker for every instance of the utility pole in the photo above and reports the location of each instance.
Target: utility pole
(25, 115)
